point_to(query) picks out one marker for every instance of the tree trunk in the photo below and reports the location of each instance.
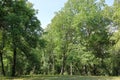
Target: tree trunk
(63, 64)
(115, 71)
(53, 65)
(14, 62)
(2, 64)
(85, 68)
(1, 52)
(94, 70)
(71, 69)
(77, 68)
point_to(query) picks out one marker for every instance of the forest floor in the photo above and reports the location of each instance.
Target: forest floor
(62, 78)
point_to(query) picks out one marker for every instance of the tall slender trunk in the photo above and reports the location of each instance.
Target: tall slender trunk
(53, 65)
(94, 70)
(71, 68)
(1, 52)
(63, 64)
(85, 68)
(77, 68)
(2, 64)
(14, 61)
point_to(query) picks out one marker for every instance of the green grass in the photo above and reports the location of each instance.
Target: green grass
(62, 78)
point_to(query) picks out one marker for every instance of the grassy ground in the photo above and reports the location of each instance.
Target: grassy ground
(62, 78)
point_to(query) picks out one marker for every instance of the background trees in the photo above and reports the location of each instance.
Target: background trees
(83, 37)
(115, 39)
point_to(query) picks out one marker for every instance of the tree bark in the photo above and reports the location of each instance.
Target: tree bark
(1, 52)
(94, 70)
(2, 64)
(85, 68)
(63, 64)
(14, 62)
(53, 65)
(71, 68)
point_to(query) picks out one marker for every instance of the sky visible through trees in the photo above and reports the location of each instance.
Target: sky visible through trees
(47, 9)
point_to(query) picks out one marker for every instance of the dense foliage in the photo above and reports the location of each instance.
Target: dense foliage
(19, 36)
(82, 39)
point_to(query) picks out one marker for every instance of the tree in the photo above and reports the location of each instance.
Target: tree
(2, 44)
(82, 23)
(23, 28)
(2, 34)
(115, 39)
